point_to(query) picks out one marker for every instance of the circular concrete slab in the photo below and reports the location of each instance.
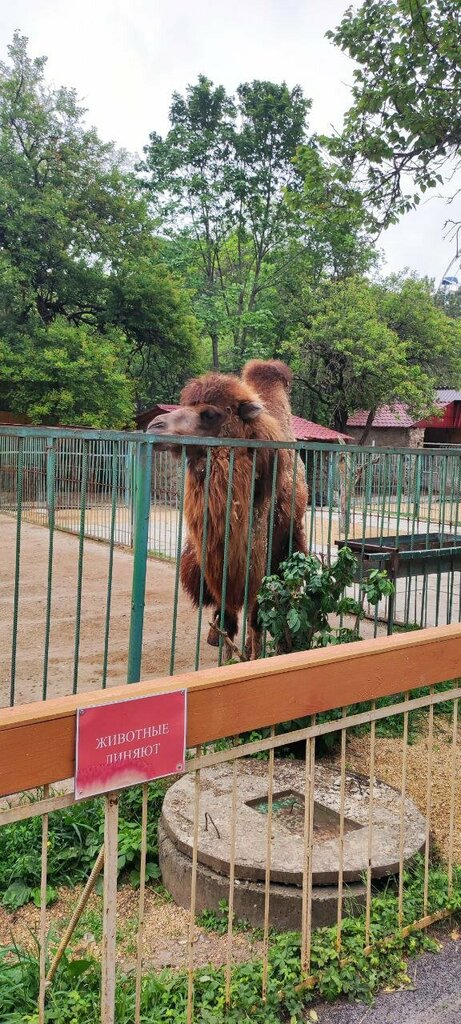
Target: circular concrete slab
(287, 840)
(285, 902)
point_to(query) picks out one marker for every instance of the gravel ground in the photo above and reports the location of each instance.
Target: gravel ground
(433, 998)
(166, 931)
(388, 767)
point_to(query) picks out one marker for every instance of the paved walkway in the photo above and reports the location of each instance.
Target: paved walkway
(435, 997)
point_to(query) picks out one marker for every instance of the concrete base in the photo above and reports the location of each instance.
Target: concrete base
(285, 904)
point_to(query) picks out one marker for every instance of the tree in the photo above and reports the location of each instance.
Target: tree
(221, 176)
(68, 211)
(67, 374)
(153, 310)
(349, 356)
(334, 218)
(405, 122)
(77, 241)
(432, 334)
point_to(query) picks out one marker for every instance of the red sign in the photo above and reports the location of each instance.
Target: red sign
(129, 742)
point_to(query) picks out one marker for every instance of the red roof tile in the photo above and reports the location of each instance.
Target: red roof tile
(306, 430)
(386, 416)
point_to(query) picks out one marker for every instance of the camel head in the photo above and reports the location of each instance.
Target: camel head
(214, 405)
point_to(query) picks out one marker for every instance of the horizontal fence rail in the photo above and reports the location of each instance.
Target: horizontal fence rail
(76, 613)
(343, 870)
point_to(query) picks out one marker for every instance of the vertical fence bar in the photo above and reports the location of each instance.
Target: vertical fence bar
(225, 567)
(453, 791)
(342, 793)
(270, 534)
(402, 810)
(115, 465)
(193, 897)
(206, 491)
(430, 744)
(140, 552)
(141, 909)
(306, 924)
(370, 829)
(230, 916)
(17, 566)
(313, 501)
(81, 538)
(178, 561)
(293, 499)
(267, 877)
(43, 881)
(109, 909)
(50, 490)
(249, 551)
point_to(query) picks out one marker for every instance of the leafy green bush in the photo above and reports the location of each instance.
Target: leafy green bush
(75, 837)
(296, 604)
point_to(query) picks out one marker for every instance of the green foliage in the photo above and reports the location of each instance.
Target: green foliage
(405, 121)
(74, 996)
(86, 296)
(217, 921)
(363, 345)
(219, 180)
(76, 835)
(295, 605)
(333, 216)
(150, 305)
(431, 335)
(69, 375)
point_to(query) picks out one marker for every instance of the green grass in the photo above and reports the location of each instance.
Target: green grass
(74, 996)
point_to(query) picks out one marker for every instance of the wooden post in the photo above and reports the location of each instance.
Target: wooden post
(109, 909)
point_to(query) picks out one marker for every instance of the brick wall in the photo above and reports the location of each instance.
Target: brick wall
(391, 437)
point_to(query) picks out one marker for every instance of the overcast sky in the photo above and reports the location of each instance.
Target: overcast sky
(126, 57)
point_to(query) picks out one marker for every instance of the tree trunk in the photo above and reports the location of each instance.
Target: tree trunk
(368, 426)
(340, 420)
(215, 350)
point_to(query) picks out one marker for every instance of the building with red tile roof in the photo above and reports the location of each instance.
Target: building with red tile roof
(394, 427)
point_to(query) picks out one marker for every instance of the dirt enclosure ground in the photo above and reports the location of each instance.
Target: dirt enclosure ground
(33, 579)
(32, 615)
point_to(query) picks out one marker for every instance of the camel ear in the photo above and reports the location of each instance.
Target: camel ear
(250, 410)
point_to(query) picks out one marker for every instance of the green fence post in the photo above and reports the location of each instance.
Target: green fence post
(140, 548)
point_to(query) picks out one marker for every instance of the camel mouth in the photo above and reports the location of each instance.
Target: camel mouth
(161, 426)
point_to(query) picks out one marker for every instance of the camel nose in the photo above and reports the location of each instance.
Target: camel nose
(156, 426)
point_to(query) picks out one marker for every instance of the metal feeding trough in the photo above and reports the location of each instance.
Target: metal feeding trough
(405, 554)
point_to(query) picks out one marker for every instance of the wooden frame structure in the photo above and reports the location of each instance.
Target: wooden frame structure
(37, 741)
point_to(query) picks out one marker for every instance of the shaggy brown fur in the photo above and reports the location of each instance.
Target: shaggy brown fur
(272, 381)
(225, 406)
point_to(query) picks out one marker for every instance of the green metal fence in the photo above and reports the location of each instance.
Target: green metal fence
(75, 614)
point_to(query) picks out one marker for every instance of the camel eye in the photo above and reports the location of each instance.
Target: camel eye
(211, 415)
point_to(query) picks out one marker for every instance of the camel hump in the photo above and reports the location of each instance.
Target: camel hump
(260, 372)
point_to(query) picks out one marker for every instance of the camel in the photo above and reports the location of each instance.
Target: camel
(272, 380)
(219, 405)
